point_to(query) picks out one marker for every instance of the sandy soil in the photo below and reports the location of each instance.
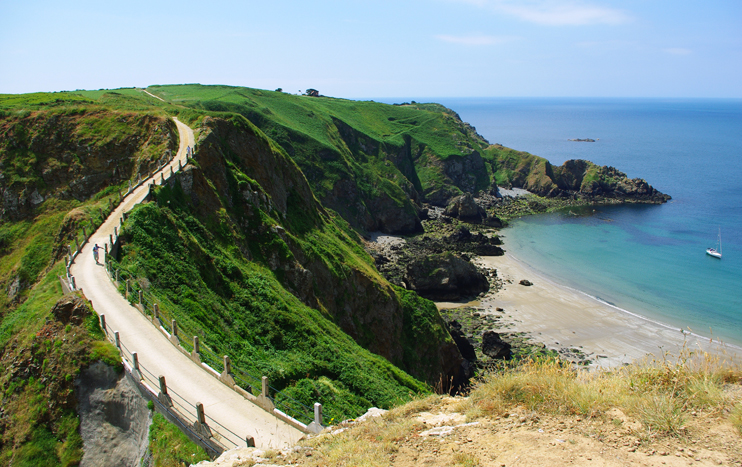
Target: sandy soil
(520, 438)
(562, 317)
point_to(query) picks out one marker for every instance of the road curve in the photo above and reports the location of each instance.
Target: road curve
(155, 352)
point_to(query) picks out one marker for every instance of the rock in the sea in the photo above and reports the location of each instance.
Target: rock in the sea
(525, 282)
(494, 347)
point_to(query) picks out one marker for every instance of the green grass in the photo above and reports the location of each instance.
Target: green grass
(41, 405)
(241, 309)
(170, 447)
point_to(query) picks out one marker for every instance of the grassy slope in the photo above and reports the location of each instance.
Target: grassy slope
(39, 360)
(40, 355)
(338, 139)
(240, 307)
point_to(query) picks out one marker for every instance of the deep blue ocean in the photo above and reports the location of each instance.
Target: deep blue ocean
(646, 259)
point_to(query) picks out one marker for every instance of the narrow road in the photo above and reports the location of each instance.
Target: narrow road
(156, 353)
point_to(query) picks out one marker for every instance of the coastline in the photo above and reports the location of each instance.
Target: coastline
(559, 317)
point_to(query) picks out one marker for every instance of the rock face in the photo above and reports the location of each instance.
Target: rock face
(445, 277)
(494, 347)
(69, 161)
(465, 208)
(114, 419)
(579, 179)
(367, 309)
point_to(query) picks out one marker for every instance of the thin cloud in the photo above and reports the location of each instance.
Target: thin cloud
(677, 51)
(475, 40)
(554, 12)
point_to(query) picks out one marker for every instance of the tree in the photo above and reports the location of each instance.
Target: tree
(312, 92)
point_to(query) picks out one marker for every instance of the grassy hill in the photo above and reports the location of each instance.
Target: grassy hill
(260, 255)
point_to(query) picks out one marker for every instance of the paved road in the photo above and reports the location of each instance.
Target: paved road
(156, 353)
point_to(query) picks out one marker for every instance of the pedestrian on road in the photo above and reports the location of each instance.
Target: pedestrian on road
(95, 253)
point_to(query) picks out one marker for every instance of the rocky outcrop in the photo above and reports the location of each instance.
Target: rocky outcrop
(494, 347)
(68, 160)
(578, 179)
(239, 172)
(114, 419)
(445, 277)
(465, 208)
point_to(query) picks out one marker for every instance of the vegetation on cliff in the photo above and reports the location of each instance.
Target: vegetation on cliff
(255, 244)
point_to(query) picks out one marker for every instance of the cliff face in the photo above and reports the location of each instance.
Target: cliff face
(75, 154)
(267, 198)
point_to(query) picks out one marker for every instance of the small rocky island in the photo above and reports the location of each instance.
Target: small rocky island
(585, 140)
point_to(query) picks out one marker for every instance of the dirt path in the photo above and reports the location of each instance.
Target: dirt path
(156, 353)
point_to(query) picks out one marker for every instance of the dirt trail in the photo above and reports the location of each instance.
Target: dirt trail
(155, 352)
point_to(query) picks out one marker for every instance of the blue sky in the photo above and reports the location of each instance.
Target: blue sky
(350, 48)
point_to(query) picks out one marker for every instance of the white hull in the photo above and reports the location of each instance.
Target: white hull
(714, 253)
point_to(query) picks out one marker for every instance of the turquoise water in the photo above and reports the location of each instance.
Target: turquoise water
(649, 260)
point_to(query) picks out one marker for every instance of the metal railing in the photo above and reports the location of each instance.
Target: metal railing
(179, 408)
(299, 415)
(163, 317)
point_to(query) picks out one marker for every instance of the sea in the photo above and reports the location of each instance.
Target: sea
(649, 260)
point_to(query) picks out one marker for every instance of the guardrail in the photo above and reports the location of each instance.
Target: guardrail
(188, 416)
(269, 398)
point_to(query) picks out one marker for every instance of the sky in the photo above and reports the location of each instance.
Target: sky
(355, 49)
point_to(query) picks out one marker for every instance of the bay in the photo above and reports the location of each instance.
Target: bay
(649, 260)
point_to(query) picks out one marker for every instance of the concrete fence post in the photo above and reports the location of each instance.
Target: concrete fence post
(180, 165)
(174, 325)
(117, 275)
(84, 234)
(264, 392)
(128, 287)
(162, 178)
(171, 171)
(250, 441)
(115, 232)
(139, 178)
(122, 221)
(135, 364)
(129, 186)
(118, 339)
(102, 216)
(121, 198)
(318, 413)
(163, 396)
(227, 365)
(72, 283)
(103, 323)
(156, 310)
(196, 345)
(201, 416)
(77, 243)
(140, 298)
(105, 248)
(110, 238)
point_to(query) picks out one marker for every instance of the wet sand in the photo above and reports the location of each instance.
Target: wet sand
(560, 317)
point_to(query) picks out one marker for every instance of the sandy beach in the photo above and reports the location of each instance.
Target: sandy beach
(561, 317)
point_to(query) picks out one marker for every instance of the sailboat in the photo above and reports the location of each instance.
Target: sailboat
(712, 251)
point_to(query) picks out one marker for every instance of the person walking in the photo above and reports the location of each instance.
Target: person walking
(95, 253)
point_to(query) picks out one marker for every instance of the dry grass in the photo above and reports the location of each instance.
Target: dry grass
(659, 393)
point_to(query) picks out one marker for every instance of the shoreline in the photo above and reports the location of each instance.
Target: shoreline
(560, 316)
